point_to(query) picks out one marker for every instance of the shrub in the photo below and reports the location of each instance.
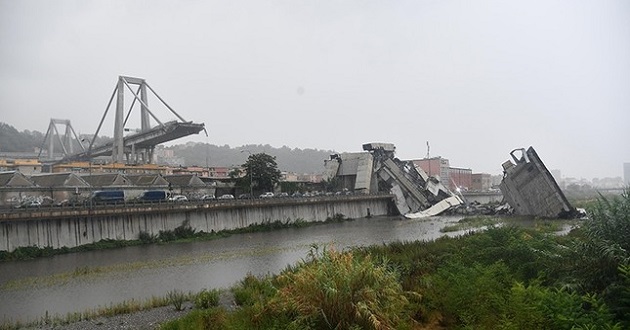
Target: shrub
(176, 298)
(206, 299)
(469, 296)
(528, 254)
(535, 307)
(145, 237)
(210, 319)
(338, 291)
(603, 250)
(252, 290)
(337, 217)
(605, 244)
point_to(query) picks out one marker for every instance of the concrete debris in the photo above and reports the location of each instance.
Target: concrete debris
(476, 208)
(530, 189)
(377, 170)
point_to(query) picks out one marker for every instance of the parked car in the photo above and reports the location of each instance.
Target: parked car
(207, 197)
(282, 195)
(62, 203)
(226, 196)
(296, 194)
(178, 198)
(268, 194)
(31, 204)
(244, 196)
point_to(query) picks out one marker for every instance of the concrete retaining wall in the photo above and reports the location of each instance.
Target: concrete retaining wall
(80, 229)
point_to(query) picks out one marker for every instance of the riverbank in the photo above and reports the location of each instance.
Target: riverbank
(147, 319)
(181, 234)
(65, 284)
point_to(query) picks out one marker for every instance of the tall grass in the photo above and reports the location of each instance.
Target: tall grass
(340, 291)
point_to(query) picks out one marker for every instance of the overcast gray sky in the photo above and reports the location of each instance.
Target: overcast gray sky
(474, 78)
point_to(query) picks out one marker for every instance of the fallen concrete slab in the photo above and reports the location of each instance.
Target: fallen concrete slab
(530, 189)
(436, 209)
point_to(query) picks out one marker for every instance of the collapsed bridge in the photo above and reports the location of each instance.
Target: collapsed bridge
(377, 170)
(136, 147)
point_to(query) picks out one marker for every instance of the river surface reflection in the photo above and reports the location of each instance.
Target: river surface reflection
(83, 281)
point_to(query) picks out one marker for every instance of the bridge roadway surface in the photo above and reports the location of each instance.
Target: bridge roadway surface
(167, 132)
(52, 212)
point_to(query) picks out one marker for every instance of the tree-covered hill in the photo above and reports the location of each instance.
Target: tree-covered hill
(13, 140)
(288, 159)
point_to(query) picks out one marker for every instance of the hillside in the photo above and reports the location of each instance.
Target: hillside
(201, 154)
(292, 160)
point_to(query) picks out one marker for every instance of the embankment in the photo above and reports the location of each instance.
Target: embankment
(74, 227)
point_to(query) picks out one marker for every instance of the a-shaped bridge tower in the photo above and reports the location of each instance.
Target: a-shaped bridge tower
(138, 147)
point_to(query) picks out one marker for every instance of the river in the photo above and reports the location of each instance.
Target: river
(83, 281)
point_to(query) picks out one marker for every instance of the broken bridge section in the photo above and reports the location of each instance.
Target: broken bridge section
(530, 189)
(137, 147)
(377, 170)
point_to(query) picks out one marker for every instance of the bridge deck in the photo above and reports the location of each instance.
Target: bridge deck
(148, 139)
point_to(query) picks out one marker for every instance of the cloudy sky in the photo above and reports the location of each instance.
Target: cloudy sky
(474, 78)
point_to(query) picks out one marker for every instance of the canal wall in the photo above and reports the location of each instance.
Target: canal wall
(70, 228)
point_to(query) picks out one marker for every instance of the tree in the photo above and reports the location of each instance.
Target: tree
(262, 171)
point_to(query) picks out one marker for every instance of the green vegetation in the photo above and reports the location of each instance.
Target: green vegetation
(262, 172)
(207, 299)
(502, 278)
(32, 252)
(176, 298)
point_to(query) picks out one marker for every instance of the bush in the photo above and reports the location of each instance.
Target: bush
(528, 254)
(338, 291)
(176, 298)
(469, 296)
(209, 319)
(206, 299)
(183, 231)
(535, 307)
(252, 290)
(602, 251)
(145, 237)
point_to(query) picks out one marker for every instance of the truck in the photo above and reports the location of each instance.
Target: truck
(108, 196)
(153, 196)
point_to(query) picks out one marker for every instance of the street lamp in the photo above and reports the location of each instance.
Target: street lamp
(251, 178)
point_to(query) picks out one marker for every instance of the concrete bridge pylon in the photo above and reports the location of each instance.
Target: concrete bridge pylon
(65, 142)
(137, 147)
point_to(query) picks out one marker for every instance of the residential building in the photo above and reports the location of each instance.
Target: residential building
(24, 166)
(197, 170)
(219, 172)
(481, 181)
(90, 167)
(101, 180)
(460, 178)
(147, 180)
(437, 167)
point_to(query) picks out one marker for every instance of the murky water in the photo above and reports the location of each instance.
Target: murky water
(30, 289)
